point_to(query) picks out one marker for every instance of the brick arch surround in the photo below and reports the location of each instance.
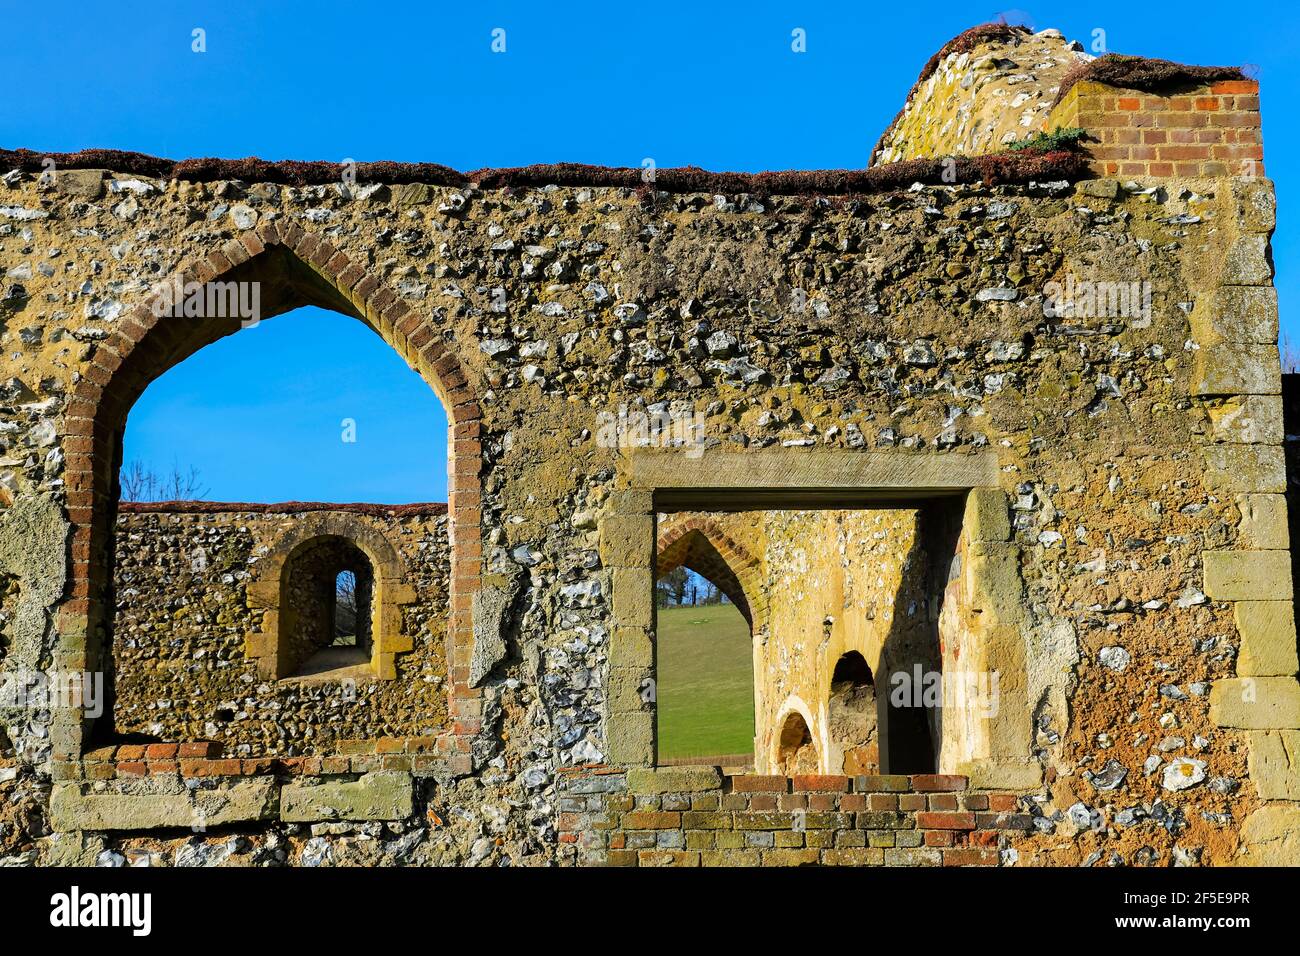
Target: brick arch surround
(146, 344)
(702, 545)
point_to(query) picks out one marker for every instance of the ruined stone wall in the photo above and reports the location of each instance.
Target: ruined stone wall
(924, 332)
(1128, 461)
(984, 91)
(182, 671)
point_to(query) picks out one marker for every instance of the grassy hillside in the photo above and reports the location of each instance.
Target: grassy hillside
(706, 682)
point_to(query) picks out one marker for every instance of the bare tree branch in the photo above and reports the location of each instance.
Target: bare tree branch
(345, 605)
(140, 483)
(1290, 356)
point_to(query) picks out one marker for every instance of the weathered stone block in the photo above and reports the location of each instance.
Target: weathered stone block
(673, 779)
(412, 194)
(796, 838)
(1246, 419)
(1002, 774)
(650, 820)
(729, 840)
(1230, 368)
(1271, 836)
(730, 857)
(1274, 763)
(1099, 188)
(634, 597)
(631, 501)
(1256, 202)
(491, 617)
(674, 858)
(882, 820)
(87, 184)
(627, 688)
(381, 795)
(1268, 638)
(1248, 575)
(1263, 522)
(76, 807)
(879, 469)
(1247, 261)
(987, 516)
(853, 856)
(597, 783)
(629, 739)
(706, 820)
(699, 840)
(1238, 469)
(919, 856)
(789, 857)
(1237, 314)
(993, 584)
(627, 541)
(264, 593)
(1256, 703)
(631, 647)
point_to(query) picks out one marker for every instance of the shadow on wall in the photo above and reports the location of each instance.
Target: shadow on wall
(910, 698)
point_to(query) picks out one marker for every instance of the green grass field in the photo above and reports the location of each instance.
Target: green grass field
(705, 689)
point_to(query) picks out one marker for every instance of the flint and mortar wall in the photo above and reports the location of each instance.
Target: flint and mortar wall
(184, 617)
(986, 89)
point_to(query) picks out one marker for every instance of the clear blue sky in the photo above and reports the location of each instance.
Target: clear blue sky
(712, 85)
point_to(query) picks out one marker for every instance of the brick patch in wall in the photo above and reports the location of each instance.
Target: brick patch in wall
(753, 820)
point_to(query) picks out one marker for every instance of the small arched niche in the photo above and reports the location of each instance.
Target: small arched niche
(297, 588)
(796, 751)
(326, 607)
(852, 718)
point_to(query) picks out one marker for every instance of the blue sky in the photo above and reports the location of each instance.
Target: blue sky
(263, 415)
(712, 85)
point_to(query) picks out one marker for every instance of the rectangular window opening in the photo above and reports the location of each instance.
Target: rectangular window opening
(802, 636)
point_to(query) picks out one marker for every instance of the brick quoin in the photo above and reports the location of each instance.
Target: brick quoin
(1210, 132)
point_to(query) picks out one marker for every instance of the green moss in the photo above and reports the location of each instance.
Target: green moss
(1063, 137)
